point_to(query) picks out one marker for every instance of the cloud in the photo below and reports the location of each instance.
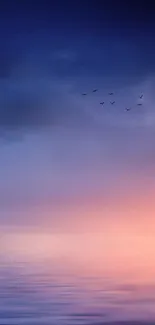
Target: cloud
(34, 104)
(41, 83)
(46, 102)
(21, 109)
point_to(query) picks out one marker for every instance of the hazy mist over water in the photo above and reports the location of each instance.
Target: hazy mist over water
(42, 293)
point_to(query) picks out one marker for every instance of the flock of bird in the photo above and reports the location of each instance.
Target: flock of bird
(113, 102)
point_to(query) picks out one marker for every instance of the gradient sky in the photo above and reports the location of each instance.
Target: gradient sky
(67, 163)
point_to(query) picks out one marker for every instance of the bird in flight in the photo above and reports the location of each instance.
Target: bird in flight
(139, 104)
(112, 103)
(102, 103)
(95, 90)
(84, 94)
(128, 109)
(141, 96)
(111, 94)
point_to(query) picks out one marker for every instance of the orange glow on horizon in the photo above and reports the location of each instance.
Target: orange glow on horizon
(112, 236)
(122, 243)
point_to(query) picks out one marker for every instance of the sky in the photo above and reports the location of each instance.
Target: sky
(77, 178)
(69, 165)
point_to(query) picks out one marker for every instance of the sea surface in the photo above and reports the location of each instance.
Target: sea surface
(35, 294)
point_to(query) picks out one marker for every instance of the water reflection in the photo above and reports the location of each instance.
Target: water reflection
(32, 296)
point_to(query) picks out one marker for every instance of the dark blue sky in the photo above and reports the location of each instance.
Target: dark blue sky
(109, 43)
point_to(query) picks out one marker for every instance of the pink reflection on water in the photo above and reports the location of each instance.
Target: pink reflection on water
(68, 298)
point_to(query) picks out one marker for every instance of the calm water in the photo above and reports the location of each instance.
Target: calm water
(35, 295)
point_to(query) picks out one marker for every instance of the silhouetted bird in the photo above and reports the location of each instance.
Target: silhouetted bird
(112, 103)
(102, 103)
(84, 94)
(95, 90)
(128, 109)
(111, 94)
(139, 104)
(141, 96)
